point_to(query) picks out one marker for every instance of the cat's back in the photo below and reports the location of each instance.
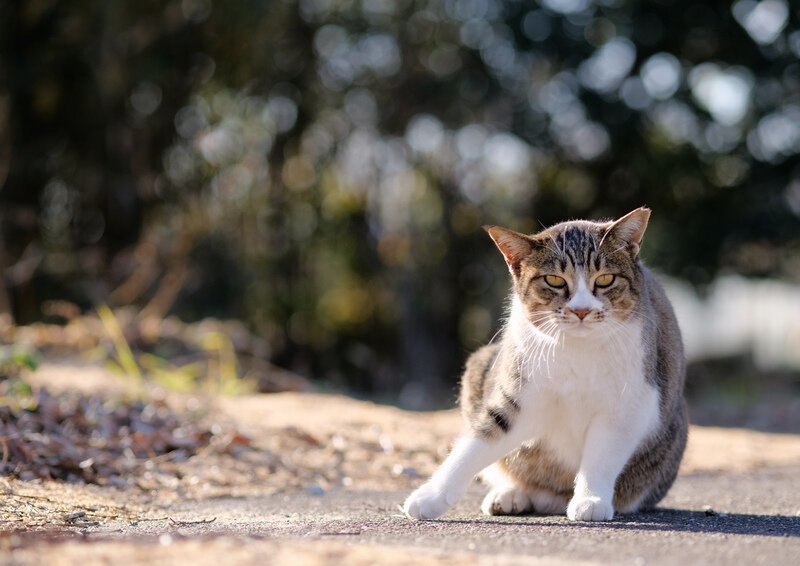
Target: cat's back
(665, 358)
(660, 304)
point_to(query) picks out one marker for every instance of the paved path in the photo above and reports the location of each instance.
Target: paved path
(708, 518)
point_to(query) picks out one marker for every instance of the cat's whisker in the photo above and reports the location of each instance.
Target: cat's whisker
(540, 345)
(496, 334)
(619, 249)
(544, 350)
(603, 239)
(543, 318)
(635, 313)
(555, 249)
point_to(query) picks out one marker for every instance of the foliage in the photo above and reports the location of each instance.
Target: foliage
(94, 439)
(321, 168)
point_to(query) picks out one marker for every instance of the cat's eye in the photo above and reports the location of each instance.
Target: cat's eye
(555, 281)
(604, 280)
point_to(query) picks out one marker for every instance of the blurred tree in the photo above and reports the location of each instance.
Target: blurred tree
(321, 168)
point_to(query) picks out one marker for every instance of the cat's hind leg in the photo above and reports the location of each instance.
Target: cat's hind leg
(508, 496)
(505, 497)
(547, 502)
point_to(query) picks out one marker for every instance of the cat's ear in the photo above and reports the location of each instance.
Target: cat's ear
(630, 228)
(514, 246)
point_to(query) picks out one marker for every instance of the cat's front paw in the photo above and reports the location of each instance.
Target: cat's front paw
(590, 508)
(427, 502)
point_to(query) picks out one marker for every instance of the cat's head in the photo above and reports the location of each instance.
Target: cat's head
(579, 277)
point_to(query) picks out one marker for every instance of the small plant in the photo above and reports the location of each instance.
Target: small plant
(126, 362)
(218, 373)
(222, 363)
(15, 391)
(14, 360)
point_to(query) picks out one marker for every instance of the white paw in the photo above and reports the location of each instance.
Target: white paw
(506, 501)
(428, 502)
(590, 508)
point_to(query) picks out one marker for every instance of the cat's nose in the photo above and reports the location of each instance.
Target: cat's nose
(581, 313)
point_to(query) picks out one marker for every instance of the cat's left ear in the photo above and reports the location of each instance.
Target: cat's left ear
(630, 228)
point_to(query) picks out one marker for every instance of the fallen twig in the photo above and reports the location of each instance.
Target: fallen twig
(200, 522)
(80, 524)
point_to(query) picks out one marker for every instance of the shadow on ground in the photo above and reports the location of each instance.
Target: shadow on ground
(674, 520)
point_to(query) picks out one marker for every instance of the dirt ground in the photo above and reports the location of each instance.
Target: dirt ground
(320, 478)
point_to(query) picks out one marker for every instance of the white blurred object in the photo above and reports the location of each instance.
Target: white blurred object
(725, 93)
(740, 315)
(764, 20)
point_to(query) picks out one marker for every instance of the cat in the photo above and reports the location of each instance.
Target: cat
(579, 407)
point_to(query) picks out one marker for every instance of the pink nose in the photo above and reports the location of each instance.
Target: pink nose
(581, 313)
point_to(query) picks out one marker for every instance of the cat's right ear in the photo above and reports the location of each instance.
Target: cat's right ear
(514, 246)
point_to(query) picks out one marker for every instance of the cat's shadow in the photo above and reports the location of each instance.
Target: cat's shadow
(666, 520)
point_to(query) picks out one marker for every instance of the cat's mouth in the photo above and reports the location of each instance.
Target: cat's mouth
(555, 323)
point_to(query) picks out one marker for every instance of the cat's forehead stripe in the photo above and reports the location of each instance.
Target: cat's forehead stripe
(578, 245)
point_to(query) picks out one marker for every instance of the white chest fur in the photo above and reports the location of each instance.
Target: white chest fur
(569, 382)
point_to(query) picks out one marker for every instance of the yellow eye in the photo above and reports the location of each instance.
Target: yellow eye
(555, 281)
(604, 280)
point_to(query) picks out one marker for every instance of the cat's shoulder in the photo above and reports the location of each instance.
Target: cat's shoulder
(482, 358)
(477, 377)
(656, 293)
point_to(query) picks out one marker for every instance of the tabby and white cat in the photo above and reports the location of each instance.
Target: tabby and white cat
(579, 407)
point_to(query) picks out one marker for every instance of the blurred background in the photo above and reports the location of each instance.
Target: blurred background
(308, 178)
